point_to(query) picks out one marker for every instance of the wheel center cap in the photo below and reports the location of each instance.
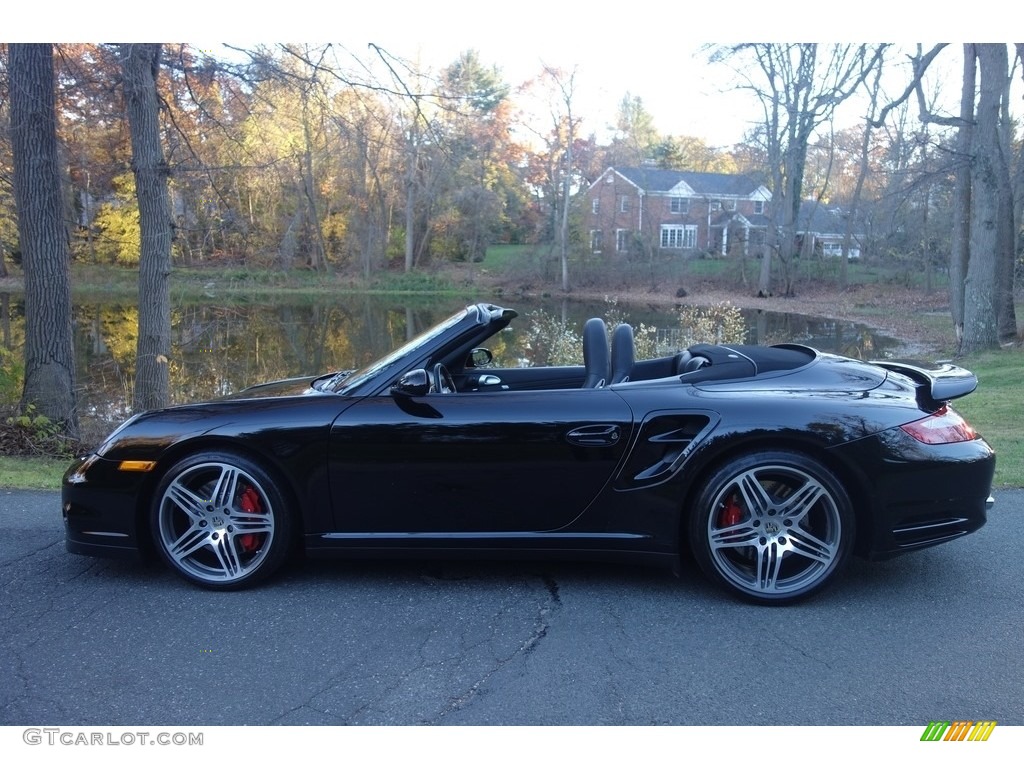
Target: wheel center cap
(217, 521)
(772, 528)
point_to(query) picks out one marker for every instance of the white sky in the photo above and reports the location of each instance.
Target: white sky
(649, 48)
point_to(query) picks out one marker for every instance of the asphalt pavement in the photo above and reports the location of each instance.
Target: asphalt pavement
(934, 635)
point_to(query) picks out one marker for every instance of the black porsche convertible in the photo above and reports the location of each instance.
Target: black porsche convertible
(769, 465)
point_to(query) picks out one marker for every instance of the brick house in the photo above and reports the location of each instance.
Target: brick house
(637, 210)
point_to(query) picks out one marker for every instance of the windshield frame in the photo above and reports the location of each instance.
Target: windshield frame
(362, 375)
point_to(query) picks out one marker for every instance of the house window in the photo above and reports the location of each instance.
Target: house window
(595, 205)
(716, 205)
(678, 237)
(730, 205)
(624, 204)
(622, 240)
(759, 206)
(596, 240)
(679, 205)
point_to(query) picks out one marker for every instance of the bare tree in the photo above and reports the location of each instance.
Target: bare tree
(960, 246)
(566, 86)
(874, 86)
(799, 86)
(140, 64)
(981, 262)
(49, 347)
(561, 162)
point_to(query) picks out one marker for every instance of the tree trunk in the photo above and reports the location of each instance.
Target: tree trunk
(318, 247)
(410, 226)
(1006, 315)
(1018, 180)
(140, 65)
(960, 246)
(290, 241)
(988, 172)
(410, 200)
(863, 168)
(563, 230)
(49, 347)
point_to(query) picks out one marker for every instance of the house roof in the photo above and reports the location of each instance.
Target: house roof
(661, 180)
(756, 220)
(817, 218)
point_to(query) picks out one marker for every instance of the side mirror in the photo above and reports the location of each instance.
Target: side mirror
(415, 383)
(479, 358)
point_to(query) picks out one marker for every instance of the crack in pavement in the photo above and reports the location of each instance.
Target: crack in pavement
(449, 665)
(541, 626)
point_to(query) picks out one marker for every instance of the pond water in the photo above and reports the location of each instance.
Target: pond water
(219, 348)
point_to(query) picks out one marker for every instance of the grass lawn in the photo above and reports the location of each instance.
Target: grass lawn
(996, 409)
(35, 473)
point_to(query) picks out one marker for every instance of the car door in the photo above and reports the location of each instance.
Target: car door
(474, 462)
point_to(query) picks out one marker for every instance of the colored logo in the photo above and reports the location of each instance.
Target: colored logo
(958, 730)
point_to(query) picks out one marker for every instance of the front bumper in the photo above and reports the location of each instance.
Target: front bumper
(100, 509)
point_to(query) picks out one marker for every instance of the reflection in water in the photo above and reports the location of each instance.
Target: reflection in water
(221, 349)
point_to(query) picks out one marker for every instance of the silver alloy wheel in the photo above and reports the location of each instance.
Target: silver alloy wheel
(775, 531)
(215, 523)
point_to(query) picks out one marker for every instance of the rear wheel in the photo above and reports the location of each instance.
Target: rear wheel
(219, 521)
(772, 527)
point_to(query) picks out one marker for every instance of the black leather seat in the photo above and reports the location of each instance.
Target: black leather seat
(687, 362)
(623, 353)
(595, 353)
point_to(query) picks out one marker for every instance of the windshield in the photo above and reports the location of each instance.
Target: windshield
(356, 378)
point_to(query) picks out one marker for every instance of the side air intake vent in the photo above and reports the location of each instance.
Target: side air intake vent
(663, 444)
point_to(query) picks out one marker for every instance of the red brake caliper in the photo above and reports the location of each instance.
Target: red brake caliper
(250, 502)
(730, 513)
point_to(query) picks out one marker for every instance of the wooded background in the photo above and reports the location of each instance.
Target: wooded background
(296, 157)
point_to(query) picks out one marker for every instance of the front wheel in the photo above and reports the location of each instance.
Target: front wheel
(219, 521)
(772, 527)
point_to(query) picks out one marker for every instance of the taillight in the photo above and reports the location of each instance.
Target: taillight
(943, 426)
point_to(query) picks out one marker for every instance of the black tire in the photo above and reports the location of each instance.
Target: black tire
(772, 527)
(219, 520)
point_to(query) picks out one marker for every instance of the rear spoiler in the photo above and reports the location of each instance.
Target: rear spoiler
(945, 381)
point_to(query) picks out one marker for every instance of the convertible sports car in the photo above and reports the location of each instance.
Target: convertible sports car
(771, 466)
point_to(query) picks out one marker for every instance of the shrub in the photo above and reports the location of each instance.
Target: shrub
(718, 324)
(549, 341)
(33, 434)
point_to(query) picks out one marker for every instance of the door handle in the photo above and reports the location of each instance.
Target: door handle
(594, 435)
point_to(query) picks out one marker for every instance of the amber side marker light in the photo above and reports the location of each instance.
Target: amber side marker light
(136, 466)
(943, 426)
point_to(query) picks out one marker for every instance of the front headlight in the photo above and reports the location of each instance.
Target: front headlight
(75, 474)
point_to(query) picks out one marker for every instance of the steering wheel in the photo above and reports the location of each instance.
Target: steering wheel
(442, 382)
